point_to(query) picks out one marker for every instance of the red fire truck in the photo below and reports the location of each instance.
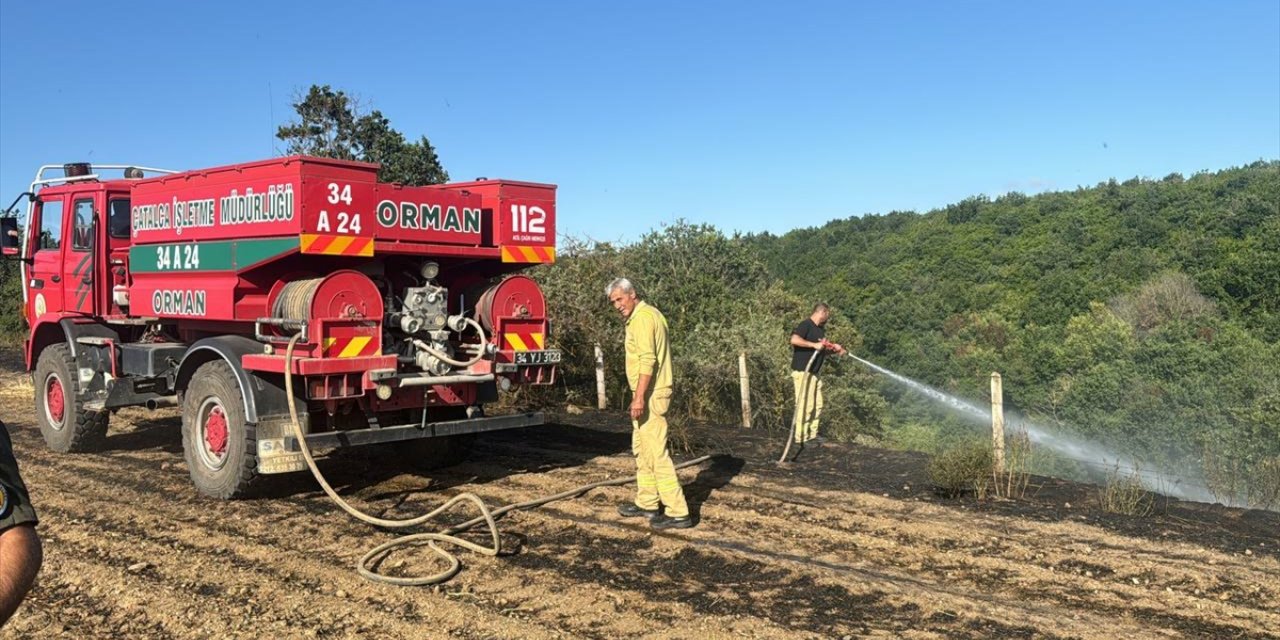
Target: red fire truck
(162, 288)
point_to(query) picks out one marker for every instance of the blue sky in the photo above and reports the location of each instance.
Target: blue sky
(748, 116)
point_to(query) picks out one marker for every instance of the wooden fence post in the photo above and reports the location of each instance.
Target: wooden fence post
(601, 401)
(745, 382)
(997, 422)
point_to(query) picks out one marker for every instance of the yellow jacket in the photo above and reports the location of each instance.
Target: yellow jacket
(648, 348)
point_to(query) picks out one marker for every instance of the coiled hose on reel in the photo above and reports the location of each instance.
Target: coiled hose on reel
(294, 300)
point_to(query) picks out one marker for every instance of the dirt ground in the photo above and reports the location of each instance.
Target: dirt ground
(850, 542)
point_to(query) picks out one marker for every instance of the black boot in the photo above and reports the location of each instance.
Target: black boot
(630, 510)
(667, 522)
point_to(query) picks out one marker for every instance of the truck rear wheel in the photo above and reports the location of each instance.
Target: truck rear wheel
(220, 447)
(66, 426)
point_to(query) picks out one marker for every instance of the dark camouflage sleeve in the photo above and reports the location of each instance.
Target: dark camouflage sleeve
(15, 502)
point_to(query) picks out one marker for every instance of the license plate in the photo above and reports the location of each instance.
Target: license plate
(531, 358)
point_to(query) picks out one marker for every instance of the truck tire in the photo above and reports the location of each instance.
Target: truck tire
(220, 447)
(65, 424)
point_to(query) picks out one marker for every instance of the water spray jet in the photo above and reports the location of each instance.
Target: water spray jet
(1069, 447)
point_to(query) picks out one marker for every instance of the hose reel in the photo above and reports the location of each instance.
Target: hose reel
(515, 297)
(342, 294)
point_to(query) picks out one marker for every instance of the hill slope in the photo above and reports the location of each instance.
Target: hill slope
(1144, 313)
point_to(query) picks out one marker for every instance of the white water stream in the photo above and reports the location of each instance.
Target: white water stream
(1070, 447)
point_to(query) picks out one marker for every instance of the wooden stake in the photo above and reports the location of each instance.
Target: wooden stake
(745, 383)
(601, 401)
(997, 422)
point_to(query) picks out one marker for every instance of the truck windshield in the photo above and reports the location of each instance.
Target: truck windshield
(118, 218)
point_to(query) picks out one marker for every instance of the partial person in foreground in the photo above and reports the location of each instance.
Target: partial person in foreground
(20, 552)
(809, 347)
(659, 496)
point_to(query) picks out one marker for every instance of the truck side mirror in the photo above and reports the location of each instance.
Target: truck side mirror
(10, 238)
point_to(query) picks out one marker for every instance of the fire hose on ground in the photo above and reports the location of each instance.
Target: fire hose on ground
(366, 565)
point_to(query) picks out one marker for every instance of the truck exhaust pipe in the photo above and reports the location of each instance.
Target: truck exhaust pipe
(156, 403)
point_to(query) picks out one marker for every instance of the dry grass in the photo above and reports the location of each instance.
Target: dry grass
(16, 385)
(1017, 467)
(1264, 484)
(1123, 493)
(1236, 482)
(1224, 474)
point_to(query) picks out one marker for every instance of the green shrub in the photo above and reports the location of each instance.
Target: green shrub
(963, 468)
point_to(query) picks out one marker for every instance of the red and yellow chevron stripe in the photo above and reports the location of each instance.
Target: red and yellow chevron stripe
(337, 245)
(523, 341)
(353, 347)
(515, 253)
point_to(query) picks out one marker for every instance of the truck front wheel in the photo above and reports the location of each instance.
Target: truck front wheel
(219, 445)
(66, 426)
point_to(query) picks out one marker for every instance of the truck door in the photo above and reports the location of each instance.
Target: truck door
(44, 280)
(78, 261)
(115, 256)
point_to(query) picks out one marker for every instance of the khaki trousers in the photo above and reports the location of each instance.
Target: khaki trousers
(808, 405)
(656, 480)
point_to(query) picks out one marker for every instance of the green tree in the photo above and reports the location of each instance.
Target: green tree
(330, 125)
(11, 324)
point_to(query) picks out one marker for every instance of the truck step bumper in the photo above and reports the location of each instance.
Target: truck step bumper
(398, 433)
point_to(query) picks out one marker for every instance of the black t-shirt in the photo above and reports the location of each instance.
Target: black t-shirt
(15, 504)
(810, 332)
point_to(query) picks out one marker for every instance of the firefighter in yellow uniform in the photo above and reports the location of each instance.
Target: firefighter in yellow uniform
(809, 347)
(649, 374)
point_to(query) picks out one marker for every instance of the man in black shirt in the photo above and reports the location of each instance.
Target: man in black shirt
(809, 347)
(20, 553)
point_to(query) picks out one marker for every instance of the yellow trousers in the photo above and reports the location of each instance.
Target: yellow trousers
(808, 405)
(656, 480)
